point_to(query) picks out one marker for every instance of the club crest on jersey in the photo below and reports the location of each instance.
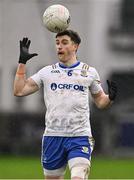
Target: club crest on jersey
(84, 70)
(84, 73)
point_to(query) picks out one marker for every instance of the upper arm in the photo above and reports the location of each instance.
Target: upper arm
(29, 88)
(95, 85)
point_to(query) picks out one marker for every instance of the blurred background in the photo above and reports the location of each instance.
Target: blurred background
(107, 31)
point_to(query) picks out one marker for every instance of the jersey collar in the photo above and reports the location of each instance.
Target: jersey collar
(72, 66)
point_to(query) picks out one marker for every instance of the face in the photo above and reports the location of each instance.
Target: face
(66, 48)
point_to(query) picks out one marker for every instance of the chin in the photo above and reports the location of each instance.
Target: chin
(62, 60)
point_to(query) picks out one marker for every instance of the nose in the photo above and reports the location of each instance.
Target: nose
(59, 46)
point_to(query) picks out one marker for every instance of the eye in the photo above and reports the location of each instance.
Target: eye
(57, 43)
(65, 42)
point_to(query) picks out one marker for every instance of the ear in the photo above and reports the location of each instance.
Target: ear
(76, 46)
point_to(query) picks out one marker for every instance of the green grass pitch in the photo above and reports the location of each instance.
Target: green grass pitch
(30, 168)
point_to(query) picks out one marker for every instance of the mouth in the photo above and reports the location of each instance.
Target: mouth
(60, 53)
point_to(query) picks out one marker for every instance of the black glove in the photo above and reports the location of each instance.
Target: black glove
(24, 51)
(112, 90)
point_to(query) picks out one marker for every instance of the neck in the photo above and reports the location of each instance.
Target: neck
(69, 62)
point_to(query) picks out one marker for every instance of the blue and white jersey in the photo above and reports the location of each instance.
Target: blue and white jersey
(66, 96)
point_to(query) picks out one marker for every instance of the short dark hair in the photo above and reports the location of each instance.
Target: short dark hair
(72, 34)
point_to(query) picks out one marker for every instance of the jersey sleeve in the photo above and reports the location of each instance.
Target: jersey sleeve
(37, 78)
(96, 84)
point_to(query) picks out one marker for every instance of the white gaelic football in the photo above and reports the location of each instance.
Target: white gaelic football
(56, 18)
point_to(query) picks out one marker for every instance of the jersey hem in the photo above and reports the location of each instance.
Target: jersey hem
(67, 135)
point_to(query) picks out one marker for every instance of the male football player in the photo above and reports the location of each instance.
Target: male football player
(67, 138)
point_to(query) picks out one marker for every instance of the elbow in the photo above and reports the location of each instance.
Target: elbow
(103, 102)
(17, 94)
(101, 106)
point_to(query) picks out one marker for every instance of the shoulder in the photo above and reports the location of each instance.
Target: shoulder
(87, 67)
(90, 70)
(48, 68)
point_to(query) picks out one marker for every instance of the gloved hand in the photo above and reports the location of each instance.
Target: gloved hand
(24, 51)
(112, 90)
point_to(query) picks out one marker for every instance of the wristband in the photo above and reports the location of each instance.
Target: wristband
(20, 74)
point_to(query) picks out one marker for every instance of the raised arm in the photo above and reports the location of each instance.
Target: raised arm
(23, 86)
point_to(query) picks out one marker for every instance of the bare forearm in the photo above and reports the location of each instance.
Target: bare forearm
(20, 79)
(104, 102)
